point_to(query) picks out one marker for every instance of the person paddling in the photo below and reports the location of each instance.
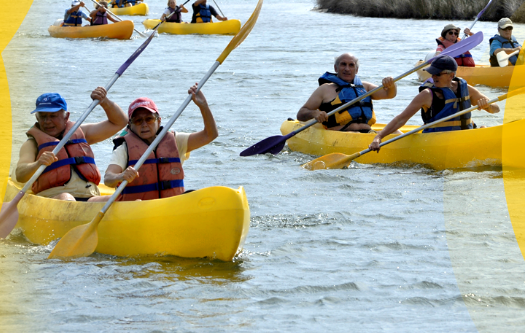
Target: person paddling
(73, 16)
(447, 95)
(339, 88)
(161, 175)
(449, 37)
(202, 12)
(504, 42)
(72, 173)
(99, 16)
(172, 7)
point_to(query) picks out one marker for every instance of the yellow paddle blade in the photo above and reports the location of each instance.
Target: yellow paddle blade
(242, 34)
(331, 161)
(78, 242)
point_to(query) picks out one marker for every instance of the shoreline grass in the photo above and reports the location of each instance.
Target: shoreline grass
(428, 9)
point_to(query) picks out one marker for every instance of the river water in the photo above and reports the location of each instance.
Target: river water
(369, 249)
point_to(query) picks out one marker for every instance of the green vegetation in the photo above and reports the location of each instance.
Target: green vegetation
(428, 9)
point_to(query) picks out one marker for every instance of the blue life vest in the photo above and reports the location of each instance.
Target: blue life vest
(360, 112)
(204, 13)
(451, 103)
(506, 44)
(74, 19)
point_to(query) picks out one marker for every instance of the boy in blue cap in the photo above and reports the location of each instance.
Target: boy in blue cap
(71, 173)
(73, 16)
(447, 95)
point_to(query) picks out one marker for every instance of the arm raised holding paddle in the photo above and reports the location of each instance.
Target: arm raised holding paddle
(144, 124)
(71, 174)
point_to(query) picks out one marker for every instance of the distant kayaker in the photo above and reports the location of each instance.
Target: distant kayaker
(447, 95)
(72, 173)
(161, 175)
(449, 37)
(177, 15)
(124, 3)
(73, 16)
(100, 16)
(504, 42)
(339, 88)
(202, 12)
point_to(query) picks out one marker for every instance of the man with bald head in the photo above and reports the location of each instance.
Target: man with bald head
(339, 88)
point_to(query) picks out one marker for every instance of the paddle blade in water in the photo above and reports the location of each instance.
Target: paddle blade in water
(273, 144)
(78, 242)
(331, 161)
(9, 215)
(8, 218)
(242, 34)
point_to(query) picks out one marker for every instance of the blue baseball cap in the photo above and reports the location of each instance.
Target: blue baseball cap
(50, 102)
(442, 63)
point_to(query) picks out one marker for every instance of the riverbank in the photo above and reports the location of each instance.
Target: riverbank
(428, 9)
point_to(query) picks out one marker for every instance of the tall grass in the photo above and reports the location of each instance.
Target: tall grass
(428, 9)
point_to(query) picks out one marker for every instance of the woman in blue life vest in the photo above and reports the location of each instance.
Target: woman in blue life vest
(339, 88)
(73, 16)
(447, 96)
(177, 11)
(504, 42)
(202, 12)
(161, 175)
(100, 15)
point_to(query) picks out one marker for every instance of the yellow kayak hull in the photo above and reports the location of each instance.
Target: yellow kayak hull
(481, 74)
(140, 9)
(119, 30)
(212, 222)
(230, 27)
(443, 150)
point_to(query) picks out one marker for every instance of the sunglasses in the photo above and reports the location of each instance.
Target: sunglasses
(508, 28)
(455, 33)
(442, 73)
(147, 119)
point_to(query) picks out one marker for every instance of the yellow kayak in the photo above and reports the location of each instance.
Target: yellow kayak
(229, 27)
(443, 150)
(140, 9)
(212, 222)
(481, 74)
(119, 30)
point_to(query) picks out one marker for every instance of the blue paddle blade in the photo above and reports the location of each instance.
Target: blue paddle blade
(273, 144)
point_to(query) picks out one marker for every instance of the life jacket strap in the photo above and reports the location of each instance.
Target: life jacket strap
(54, 143)
(164, 185)
(70, 161)
(157, 160)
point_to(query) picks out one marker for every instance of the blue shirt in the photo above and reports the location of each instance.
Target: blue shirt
(496, 44)
(84, 16)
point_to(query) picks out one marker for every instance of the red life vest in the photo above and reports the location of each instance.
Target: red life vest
(161, 175)
(464, 59)
(76, 152)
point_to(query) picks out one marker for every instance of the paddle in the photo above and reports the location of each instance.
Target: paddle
(219, 8)
(118, 18)
(477, 18)
(339, 160)
(9, 212)
(275, 144)
(503, 58)
(82, 240)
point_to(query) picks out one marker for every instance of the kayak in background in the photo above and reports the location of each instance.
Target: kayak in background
(140, 9)
(119, 30)
(229, 27)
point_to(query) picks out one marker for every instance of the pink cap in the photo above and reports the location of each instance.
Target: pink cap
(142, 103)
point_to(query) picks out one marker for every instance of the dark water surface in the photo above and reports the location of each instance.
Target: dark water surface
(370, 249)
